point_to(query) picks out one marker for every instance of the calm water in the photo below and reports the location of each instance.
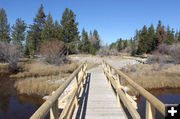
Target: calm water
(165, 95)
(14, 106)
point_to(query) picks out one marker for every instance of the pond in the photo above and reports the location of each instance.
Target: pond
(167, 96)
(13, 105)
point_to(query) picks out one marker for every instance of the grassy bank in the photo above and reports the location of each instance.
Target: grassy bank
(4, 67)
(155, 75)
(40, 78)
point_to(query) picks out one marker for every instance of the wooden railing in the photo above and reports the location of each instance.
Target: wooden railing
(115, 79)
(51, 104)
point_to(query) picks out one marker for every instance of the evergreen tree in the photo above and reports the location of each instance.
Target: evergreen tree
(179, 36)
(150, 39)
(18, 32)
(85, 44)
(47, 32)
(34, 37)
(96, 44)
(70, 30)
(133, 47)
(142, 46)
(4, 26)
(125, 44)
(160, 34)
(169, 39)
(57, 31)
(112, 46)
(120, 44)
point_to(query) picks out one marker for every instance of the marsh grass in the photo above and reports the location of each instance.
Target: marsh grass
(40, 78)
(37, 86)
(4, 67)
(155, 76)
(39, 69)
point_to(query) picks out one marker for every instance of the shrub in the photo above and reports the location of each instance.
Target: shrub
(54, 52)
(175, 53)
(105, 51)
(164, 49)
(158, 58)
(10, 53)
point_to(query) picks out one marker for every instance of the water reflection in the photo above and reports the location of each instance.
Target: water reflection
(167, 96)
(12, 105)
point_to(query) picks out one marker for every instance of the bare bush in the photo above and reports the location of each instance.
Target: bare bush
(105, 51)
(133, 68)
(164, 49)
(175, 53)
(158, 58)
(54, 52)
(10, 53)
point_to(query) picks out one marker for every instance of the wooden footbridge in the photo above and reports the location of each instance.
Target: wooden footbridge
(90, 96)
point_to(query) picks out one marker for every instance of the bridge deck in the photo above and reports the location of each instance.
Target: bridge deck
(97, 101)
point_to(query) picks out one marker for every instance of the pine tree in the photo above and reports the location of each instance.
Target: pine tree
(179, 36)
(47, 32)
(70, 30)
(34, 37)
(4, 26)
(85, 42)
(120, 44)
(57, 31)
(133, 47)
(160, 34)
(169, 39)
(18, 32)
(142, 46)
(125, 44)
(150, 39)
(96, 43)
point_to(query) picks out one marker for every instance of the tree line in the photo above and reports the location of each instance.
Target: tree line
(148, 39)
(44, 29)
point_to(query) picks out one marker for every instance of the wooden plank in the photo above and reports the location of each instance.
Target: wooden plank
(126, 102)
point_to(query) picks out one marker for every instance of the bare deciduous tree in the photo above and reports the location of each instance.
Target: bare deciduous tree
(10, 53)
(54, 52)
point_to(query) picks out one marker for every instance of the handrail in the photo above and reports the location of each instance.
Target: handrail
(150, 98)
(48, 104)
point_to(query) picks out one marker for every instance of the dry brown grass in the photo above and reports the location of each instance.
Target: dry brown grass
(39, 78)
(38, 86)
(155, 76)
(4, 67)
(39, 69)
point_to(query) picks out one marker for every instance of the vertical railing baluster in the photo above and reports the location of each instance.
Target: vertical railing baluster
(150, 111)
(54, 110)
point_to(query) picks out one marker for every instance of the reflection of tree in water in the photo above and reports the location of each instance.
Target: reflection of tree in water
(5, 90)
(4, 103)
(37, 101)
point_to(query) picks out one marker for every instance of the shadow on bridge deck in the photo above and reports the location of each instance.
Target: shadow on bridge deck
(83, 99)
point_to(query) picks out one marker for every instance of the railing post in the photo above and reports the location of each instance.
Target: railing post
(54, 110)
(150, 111)
(118, 81)
(76, 97)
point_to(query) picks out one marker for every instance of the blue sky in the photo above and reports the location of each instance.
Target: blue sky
(112, 18)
